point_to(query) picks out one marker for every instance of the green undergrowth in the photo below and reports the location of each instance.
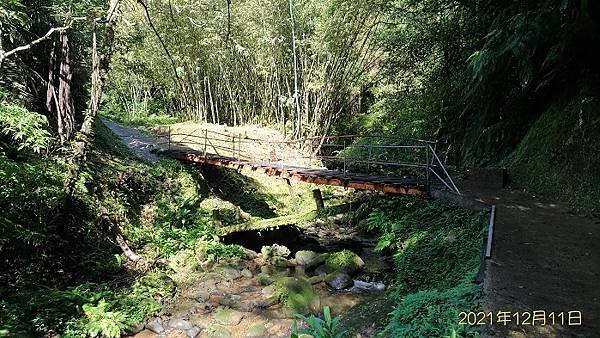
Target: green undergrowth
(560, 155)
(62, 272)
(436, 247)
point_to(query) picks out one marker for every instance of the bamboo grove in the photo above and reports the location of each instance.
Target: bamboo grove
(300, 65)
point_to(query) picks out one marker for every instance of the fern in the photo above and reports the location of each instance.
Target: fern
(101, 322)
(326, 327)
(26, 129)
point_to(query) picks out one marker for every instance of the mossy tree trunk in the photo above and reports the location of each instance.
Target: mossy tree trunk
(100, 66)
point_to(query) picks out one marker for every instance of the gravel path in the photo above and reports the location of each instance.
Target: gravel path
(138, 142)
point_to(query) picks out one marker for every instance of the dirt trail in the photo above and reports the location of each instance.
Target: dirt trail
(544, 258)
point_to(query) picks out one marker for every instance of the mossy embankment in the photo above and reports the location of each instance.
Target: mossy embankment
(560, 155)
(436, 248)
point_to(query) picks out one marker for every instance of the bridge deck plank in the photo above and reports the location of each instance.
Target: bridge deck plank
(360, 181)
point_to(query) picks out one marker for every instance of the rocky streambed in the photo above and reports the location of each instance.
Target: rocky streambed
(286, 271)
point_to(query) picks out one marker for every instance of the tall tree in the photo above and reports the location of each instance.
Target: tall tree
(100, 66)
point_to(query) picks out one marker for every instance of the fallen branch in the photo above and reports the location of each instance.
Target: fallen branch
(120, 239)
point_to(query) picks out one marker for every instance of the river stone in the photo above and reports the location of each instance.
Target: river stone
(155, 326)
(227, 316)
(338, 280)
(246, 273)
(257, 330)
(217, 331)
(193, 332)
(265, 279)
(345, 260)
(202, 296)
(230, 273)
(180, 324)
(305, 257)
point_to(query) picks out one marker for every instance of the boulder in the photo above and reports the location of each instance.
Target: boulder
(305, 257)
(227, 316)
(297, 295)
(230, 273)
(180, 324)
(155, 325)
(339, 280)
(344, 261)
(275, 250)
(310, 259)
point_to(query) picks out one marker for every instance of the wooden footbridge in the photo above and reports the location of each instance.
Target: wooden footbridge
(376, 163)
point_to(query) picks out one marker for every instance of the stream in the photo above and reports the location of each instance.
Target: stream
(288, 269)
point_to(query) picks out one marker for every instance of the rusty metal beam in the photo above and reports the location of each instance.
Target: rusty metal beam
(325, 178)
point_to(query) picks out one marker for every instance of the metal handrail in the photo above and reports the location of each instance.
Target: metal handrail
(227, 143)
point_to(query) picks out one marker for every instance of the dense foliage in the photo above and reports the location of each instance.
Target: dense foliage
(509, 83)
(437, 250)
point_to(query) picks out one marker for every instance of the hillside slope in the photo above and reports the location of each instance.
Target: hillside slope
(560, 155)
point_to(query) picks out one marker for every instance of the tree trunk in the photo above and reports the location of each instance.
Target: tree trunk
(66, 109)
(51, 105)
(100, 65)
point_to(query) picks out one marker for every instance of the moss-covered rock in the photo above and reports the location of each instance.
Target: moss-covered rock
(216, 331)
(227, 316)
(257, 330)
(297, 295)
(275, 250)
(344, 261)
(310, 259)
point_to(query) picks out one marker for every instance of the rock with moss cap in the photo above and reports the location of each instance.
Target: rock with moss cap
(216, 331)
(227, 316)
(344, 261)
(310, 259)
(297, 295)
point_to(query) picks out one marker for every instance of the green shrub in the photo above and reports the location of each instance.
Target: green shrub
(326, 327)
(28, 130)
(101, 322)
(433, 313)
(436, 247)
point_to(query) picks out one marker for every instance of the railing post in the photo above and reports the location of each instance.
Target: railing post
(205, 143)
(344, 150)
(369, 158)
(427, 167)
(169, 136)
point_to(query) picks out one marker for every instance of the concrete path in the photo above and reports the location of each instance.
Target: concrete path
(545, 258)
(138, 142)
